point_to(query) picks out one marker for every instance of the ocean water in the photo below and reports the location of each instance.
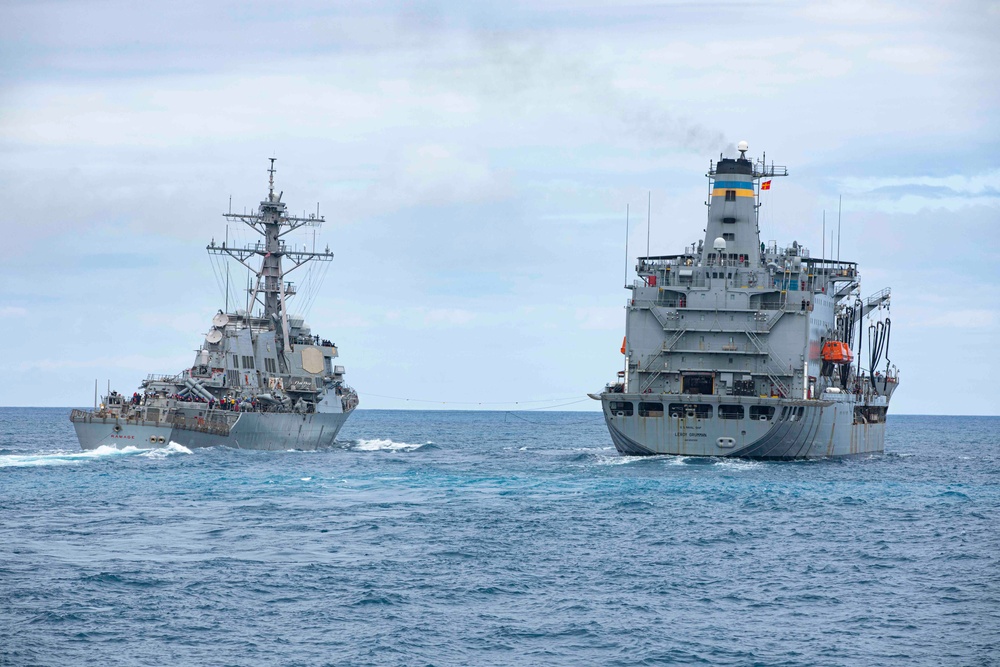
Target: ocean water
(491, 538)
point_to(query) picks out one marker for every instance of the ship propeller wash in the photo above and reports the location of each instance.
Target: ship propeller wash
(738, 348)
(260, 380)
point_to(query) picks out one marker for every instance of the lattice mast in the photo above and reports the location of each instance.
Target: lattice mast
(270, 289)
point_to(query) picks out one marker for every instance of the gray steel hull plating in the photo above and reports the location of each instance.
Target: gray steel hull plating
(253, 430)
(824, 429)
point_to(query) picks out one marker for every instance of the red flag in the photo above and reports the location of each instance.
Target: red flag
(766, 185)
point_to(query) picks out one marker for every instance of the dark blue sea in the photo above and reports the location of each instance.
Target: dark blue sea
(492, 538)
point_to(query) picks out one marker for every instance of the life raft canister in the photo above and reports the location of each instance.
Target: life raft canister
(837, 352)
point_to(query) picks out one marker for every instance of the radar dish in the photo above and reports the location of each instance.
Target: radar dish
(220, 320)
(720, 244)
(743, 147)
(214, 336)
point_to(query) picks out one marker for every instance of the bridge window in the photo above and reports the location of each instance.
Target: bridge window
(650, 409)
(730, 195)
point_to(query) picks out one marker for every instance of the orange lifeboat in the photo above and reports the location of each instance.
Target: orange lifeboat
(837, 352)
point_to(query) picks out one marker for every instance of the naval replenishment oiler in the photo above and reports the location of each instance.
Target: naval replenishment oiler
(259, 381)
(736, 348)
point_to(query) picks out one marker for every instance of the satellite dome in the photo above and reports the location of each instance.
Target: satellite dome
(719, 244)
(743, 147)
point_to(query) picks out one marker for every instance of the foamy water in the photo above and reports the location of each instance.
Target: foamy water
(380, 444)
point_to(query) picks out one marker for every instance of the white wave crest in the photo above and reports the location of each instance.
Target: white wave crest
(739, 465)
(62, 457)
(617, 460)
(378, 444)
(169, 450)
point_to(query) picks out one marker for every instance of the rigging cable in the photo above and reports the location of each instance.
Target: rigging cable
(561, 423)
(888, 327)
(423, 400)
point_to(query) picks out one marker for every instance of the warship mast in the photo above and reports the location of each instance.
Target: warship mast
(271, 290)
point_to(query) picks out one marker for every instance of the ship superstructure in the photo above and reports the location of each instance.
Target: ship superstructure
(736, 347)
(260, 380)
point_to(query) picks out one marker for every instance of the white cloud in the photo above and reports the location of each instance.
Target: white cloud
(475, 164)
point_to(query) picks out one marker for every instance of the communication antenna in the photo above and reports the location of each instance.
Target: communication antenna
(823, 252)
(270, 180)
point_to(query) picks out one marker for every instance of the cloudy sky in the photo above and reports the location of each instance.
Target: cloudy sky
(474, 162)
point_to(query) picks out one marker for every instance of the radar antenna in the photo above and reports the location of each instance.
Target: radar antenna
(277, 260)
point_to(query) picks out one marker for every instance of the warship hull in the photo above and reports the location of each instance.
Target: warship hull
(262, 431)
(260, 380)
(797, 429)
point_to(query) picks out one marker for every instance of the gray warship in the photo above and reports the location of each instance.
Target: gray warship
(737, 348)
(260, 380)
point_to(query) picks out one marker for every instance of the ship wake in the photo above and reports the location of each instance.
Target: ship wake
(386, 445)
(105, 452)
